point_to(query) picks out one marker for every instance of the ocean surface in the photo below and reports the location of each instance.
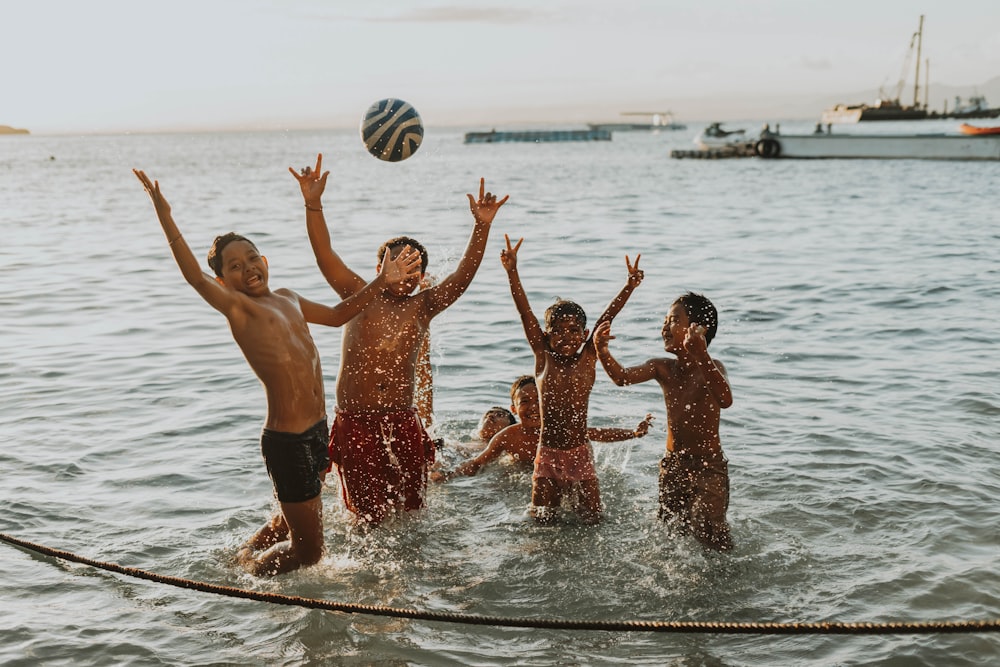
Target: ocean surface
(860, 313)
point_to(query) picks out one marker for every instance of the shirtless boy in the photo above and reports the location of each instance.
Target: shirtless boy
(694, 474)
(272, 331)
(378, 444)
(565, 362)
(520, 440)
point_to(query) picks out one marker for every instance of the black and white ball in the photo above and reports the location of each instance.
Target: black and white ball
(392, 130)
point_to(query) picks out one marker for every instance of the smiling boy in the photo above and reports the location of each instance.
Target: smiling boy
(694, 473)
(565, 362)
(271, 329)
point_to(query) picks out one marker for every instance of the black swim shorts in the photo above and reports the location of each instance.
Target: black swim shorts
(296, 461)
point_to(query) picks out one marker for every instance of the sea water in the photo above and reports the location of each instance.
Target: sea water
(860, 312)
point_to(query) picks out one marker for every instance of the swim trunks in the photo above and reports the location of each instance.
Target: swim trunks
(695, 491)
(382, 460)
(296, 462)
(565, 465)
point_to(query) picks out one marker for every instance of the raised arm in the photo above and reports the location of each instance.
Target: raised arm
(603, 434)
(394, 271)
(214, 292)
(713, 372)
(532, 329)
(454, 285)
(496, 447)
(635, 276)
(620, 375)
(312, 182)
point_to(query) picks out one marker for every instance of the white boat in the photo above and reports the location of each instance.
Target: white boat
(714, 137)
(820, 145)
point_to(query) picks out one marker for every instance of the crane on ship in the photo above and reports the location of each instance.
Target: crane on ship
(916, 43)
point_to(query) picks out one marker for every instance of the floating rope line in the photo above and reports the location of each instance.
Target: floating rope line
(834, 628)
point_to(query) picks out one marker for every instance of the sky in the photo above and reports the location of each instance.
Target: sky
(90, 66)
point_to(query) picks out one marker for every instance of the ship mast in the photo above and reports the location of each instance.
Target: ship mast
(916, 78)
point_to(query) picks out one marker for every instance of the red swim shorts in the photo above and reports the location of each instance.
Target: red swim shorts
(382, 460)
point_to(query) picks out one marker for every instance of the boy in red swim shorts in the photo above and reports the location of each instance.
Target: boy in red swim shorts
(378, 445)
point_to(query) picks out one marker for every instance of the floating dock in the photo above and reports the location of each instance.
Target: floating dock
(536, 136)
(742, 150)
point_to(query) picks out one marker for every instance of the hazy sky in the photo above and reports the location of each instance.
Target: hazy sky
(117, 65)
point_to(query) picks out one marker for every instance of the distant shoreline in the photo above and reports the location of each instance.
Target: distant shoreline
(7, 129)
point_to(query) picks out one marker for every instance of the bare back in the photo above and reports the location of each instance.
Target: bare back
(275, 339)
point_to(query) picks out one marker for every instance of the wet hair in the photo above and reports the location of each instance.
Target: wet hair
(700, 311)
(520, 382)
(402, 241)
(218, 245)
(501, 411)
(563, 308)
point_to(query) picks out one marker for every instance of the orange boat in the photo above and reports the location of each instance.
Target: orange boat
(972, 129)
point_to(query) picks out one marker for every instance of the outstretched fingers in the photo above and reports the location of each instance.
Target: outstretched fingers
(515, 248)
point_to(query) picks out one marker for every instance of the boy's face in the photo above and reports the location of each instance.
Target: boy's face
(675, 327)
(526, 405)
(491, 424)
(244, 269)
(566, 335)
(410, 284)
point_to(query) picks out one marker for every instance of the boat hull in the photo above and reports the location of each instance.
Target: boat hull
(887, 147)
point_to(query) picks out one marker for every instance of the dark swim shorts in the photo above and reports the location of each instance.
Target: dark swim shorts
(296, 462)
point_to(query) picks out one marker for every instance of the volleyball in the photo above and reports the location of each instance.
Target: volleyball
(392, 130)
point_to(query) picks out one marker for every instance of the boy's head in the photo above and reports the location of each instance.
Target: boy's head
(565, 327)
(524, 400)
(237, 262)
(686, 310)
(493, 421)
(394, 246)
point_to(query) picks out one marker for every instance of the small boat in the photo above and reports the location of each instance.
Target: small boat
(965, 128)
(714, 136)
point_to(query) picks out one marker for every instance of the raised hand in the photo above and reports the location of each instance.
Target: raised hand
(635, 274)
(602, 334)
(643, 427)
(694, 340)
(508, 256)
(404, 267)
(153, 190)
(485, 208)
(312, 181)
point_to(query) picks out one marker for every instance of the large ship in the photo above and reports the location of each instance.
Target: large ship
(890, 107)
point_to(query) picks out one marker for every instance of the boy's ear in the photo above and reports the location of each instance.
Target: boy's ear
(586, 334)
(264, 257)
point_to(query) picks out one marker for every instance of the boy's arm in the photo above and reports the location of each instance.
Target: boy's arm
(600, 434)
(532, 329)
(620, 375)
(496, 447)
(214, 292)
(713, 372)
(405, 266)
(635, 276)
(312, 183)
(454, 285)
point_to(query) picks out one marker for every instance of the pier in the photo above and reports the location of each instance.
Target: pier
(742, 150)
(537, 136)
